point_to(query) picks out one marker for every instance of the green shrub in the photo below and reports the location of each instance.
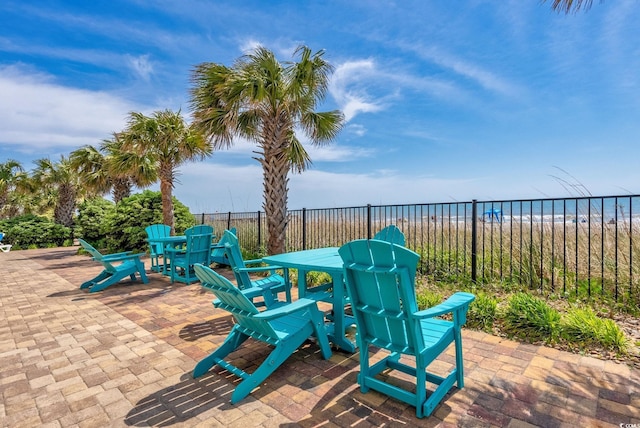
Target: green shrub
(126, 223)
(31, 231)
(482, 312)
(583, 327)
(318, 278)
(90, 223)
(427, 298)
(530, 317)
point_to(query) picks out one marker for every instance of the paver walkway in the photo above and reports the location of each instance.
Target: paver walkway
(122, 357)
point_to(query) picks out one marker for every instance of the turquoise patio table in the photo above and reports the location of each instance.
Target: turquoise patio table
(166, 241)
(322, 260)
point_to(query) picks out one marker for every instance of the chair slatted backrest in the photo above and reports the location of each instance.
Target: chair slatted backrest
(391, 234)
(219, 254)
(198, 249)
(380, 279)
(97, 256)
(231, 299)
(157, 231)
(234, 254)
(199, 229)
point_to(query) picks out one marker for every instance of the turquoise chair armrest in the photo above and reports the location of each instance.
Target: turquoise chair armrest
(175, 250)
(116, 255)
(457, 301)
(257, 269)
(287, 309)
(250, 293)
(122, 257)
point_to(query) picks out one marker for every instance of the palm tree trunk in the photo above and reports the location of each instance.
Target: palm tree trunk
(65, 206)
(121, 189)
(275, 169)
(166, 190)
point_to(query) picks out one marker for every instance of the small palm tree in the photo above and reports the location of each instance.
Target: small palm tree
(165, 142)
(110, 169)
(265, 101)
(10, 173)
(57, 185)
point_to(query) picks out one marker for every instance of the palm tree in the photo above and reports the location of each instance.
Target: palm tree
(9, 172)
(58, 186)
(265, 101)
(110, 168)
(165, 141)
(567, 6)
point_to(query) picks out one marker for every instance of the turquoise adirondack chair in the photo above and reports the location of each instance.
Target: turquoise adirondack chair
(285, 327)
(199, 229)
(156, 249)
(380, 280)
(181, 261)
(117, 266)
(218, 253)
(270, 285)
(391, 234)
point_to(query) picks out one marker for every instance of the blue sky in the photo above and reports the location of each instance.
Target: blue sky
(445, 101)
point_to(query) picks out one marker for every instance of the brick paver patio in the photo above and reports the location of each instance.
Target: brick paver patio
(123, 357)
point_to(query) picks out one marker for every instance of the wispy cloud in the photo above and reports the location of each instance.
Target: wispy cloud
(141, 65)
(478, 74)
(40, 114)
(356, 129)
(348, 88)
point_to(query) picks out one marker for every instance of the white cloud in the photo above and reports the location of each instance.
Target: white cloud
(336, 153)
(485, 78)
(141, 65)
(348, 88)
(216, 187)
(249, 45)
(37, 113)
(356, 129)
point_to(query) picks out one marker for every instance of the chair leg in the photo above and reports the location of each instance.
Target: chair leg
(459, 360)
(104, 274)
(173, 272)
(99, 286)
(279, 355)
(320, 332)
(231, 343)
(143, 274)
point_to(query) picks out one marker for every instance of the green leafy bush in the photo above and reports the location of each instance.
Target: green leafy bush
(90, 223)
(126, 223)
(31, 231)
(427, 298)
(482, 312)
(532, 318)
(583, 327)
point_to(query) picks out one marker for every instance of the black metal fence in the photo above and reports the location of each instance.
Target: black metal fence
(582, 245)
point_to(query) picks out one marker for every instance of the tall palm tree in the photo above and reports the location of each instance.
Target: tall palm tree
(111, 169)
(166, 141)
(265, 101)
(567, 6)
(58, 185)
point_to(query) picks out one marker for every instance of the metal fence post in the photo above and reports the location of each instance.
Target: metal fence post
(304, 228)
(229, 221)
(474, 239)
(202, 221)
(259, 231)
(368, 221)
